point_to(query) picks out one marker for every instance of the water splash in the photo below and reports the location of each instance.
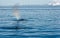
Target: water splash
(16, 13)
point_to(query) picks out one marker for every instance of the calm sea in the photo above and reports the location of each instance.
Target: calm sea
(42, 22)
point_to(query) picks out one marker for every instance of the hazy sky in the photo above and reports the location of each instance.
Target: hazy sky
(23, 2)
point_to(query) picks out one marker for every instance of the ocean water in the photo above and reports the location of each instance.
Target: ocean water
(42, 22)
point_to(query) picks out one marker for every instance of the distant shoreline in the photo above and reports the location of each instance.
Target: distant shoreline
(34, 7)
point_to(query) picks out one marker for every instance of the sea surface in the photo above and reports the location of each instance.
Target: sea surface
(41, 22)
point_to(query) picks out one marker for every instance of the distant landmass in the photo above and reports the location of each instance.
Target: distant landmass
(54, 3)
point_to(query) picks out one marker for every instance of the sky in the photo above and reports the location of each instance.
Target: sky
(23, 2)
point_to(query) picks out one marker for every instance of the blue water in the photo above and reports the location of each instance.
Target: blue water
(43, 22)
